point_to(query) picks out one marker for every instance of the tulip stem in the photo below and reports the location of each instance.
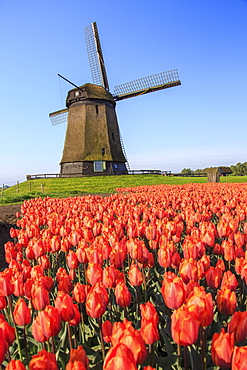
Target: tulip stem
(69, 335)
(137, 303)
(203, 349)
(150, 354)
(186, 367)
(99, 320)
(25, 341)
(16, 331)
(53, 345)
(179, 355)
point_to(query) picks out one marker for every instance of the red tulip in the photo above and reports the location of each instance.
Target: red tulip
(6, 285)
(76, 365)
(43, 360)
(213, 277)
(8, 331)
(110, 276)
(188, 270)
(203, 304)
(229, 281)
(40, 296)
(107, 331)
(239, 358)
(119, 357)
(184, 326)
(122, 294)
(72, 260)
(96, 301)
(226, 301)
(135, 276)
(79, 354)
(37, 331)
(4, 346)
(77, 318)
(94, 273)
(173, 291)
(238, 326)
(79, 293)
(15, 365)
(64, 304)
(50, 321)
(22, 315)
(222, 349)
(126, 334)
(3, 303)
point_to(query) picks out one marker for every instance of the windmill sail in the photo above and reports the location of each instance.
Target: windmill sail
(58, 117)
(95, 56)
(145, 85)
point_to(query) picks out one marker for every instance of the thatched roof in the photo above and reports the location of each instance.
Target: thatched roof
(89, 91)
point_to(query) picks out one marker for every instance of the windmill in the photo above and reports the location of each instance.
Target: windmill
(93, 144)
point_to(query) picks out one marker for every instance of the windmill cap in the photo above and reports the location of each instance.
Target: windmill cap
(88, 91)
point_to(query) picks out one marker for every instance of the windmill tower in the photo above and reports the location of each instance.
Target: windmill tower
(93, 144)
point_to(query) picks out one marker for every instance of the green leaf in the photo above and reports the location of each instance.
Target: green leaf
(169, 347)
(195, 358)
(165, 363)
(89, 351)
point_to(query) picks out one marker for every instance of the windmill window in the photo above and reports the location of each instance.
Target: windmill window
(97, 109)
(77, 93)
(103, 151)
(113, 137)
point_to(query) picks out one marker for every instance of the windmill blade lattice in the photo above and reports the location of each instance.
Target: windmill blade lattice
(58, 117)
(95, 56)
(148, 84)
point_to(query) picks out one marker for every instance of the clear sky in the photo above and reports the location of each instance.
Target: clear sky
(201, 123)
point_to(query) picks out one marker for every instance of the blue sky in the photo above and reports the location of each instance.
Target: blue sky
(201, 123)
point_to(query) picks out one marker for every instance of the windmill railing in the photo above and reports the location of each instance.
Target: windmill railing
(79, 174)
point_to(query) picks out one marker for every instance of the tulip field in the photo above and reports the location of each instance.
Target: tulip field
(151, 277)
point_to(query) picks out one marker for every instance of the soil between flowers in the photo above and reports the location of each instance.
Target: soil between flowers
(7, 220)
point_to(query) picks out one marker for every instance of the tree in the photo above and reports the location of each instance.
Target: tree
(187, 171)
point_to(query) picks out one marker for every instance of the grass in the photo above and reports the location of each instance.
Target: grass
(94, 185)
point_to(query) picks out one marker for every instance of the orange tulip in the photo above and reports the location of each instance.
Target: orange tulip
(203, 303)
(64, 304)
(79, 354)
(213, 277)
(43, 360)
(122, 294)
(72, 260)
(96, 301)
(119, 357)
(22, 315)
(40, 296)
(79, 293)
(94, 273)
(173, 292)
(123, 332)
(4, 346)
(50, 321)
(135, 276)
(8, 331)
(15, 365)
(222, 349)
(107, 331)
(6, 286)
(75, 365)
(226, 301)
(37, 331)
(239, 358)
(184, 326)
(238, 326)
